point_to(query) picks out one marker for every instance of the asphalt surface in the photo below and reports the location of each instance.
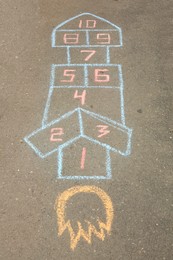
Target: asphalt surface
(141, 184)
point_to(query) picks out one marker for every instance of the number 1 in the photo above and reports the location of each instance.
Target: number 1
(82, 162)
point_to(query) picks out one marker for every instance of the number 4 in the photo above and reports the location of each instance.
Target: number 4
(92, 52)
(82, 96)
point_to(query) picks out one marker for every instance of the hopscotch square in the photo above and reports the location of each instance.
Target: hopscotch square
(65, 75)
(104, 75)
(104, 37)
(70, 38)
(88, 55)
(72, 170)
(58, 107)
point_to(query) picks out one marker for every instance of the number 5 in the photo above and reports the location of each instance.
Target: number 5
(70, 75)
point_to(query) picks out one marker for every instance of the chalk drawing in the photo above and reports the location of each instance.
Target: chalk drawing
(83, 158)
(56, 132)
(104, 38)
(70, 75)
(104, 227)
(71, 38)
(82, 96)
(87, 76)
(103, 130)
(107, 132)
(123, 134)
(92, 52)
(99, 77)
(114, 28)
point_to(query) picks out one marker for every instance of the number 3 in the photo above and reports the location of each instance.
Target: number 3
(103, 130)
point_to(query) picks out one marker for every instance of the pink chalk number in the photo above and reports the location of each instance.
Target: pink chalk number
(100, 76)
(70, 75)
(87, 24)
(81, 97)
(71, 38)
(103, 130)
(56, 132)
(90, 23)
(82, 163)
(91, 53)
(103, 38)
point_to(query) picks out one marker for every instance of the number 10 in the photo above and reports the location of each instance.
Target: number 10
(88, 24)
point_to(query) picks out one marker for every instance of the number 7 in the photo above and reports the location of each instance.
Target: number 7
(92, 52)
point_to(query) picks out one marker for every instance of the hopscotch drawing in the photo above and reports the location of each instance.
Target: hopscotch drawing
(78, 123)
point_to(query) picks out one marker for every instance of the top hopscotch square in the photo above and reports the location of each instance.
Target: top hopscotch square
(87, 30)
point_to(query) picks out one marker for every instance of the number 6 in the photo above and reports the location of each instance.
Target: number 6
(100, 77)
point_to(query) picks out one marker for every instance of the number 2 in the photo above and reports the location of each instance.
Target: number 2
(56, 132)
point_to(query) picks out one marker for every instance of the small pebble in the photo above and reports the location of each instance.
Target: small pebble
(139, 110)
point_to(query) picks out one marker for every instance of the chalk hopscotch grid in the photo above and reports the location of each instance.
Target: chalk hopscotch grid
(122, 127)
(53, 37)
